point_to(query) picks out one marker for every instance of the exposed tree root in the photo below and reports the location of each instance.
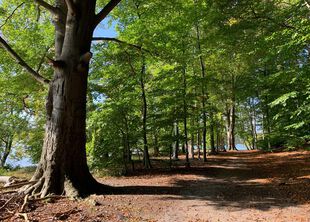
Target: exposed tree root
(25, 216)
(24, 204)
(20, 198)
(17, 185)
(34, 188)
(7, 202)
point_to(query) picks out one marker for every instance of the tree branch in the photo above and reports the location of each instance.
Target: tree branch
(281, 24)
(307, 2)
(116, 40)
(140, 48)
(10, 16)
(130, 63)
(48, 7)
(22, 63)
(71, 7)
(105, 11)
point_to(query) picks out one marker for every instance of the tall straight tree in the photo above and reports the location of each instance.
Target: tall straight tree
(63, 165)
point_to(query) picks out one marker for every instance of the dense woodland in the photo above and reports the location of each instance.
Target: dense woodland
(192, 77)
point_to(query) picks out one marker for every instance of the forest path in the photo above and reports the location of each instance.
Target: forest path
(233, 186)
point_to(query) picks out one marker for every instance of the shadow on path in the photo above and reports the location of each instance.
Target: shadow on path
(239, 180)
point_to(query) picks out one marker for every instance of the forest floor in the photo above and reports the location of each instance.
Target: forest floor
(231, 186)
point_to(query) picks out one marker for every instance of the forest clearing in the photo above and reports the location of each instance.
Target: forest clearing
(231, 186)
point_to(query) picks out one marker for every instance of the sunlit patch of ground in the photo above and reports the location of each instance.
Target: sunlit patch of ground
(232, 186)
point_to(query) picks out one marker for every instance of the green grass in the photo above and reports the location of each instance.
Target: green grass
(24, 173)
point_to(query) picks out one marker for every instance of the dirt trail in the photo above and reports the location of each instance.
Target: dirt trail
(234, 186)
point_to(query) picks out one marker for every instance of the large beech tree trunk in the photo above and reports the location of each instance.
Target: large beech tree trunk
(63, 167)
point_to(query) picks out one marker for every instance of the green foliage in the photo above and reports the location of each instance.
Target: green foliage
(255, 56)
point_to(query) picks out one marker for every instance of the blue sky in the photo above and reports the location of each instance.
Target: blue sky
(104, 30)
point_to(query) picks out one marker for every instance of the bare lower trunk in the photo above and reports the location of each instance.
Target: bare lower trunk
(146, 156)
(204, 97)
(199, 144)
(230, 127)
(212, 140)
(175, 155)
(64, 157)
(7, 150)
(156, 148)
(253, 126)
(185, 116)
(192, 146)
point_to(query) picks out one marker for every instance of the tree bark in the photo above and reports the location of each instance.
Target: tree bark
(204, 96)
(253, 124)
(63, 166)
(192, 145)
(156, 148)
(212, 137)
(176, 135)
(230, 126)
(146, 156)
(199, 143)
(185, 116)
(126, 144)
(7, 149)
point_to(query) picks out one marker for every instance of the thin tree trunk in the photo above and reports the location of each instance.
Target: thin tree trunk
(199, 143)
(7, 150)
(233, 124)
(146, 156)
(217, 137)
(127, 152)
(230, 126)
(156, 148)
(192, 145)
(176, 136)
(267, 123)
(252, 115)
(212, 142)
(185, 116)
(204, 95)
(267, 116)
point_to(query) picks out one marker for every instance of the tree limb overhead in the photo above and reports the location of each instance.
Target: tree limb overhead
(22, 63)
(48, 7)
(10, 16)
(116, 40)
(105, 11)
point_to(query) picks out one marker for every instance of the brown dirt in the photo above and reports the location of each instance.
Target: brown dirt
(232, 186)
